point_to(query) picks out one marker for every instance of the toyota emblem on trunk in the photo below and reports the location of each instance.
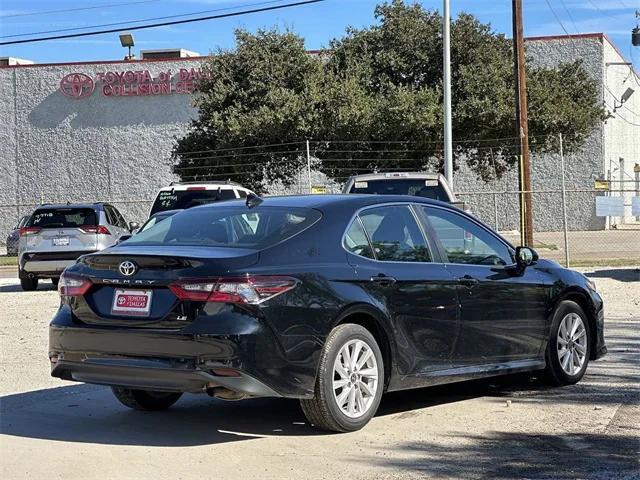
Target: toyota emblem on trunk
(127, 268)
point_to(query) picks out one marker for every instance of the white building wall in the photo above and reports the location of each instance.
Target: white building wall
(622, 130)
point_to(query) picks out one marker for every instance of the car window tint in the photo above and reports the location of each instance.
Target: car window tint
(62, 217)
(119, 218)
(183, 199)
(392, 186)
(356, 241)
(395, 235)
(466, 242)
(229, 227)
(111, 218)
(241, 193)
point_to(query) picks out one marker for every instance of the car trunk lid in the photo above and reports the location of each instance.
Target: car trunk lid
(144, 293)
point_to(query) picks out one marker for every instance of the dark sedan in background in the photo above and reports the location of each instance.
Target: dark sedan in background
(330, 299)
(13, 239)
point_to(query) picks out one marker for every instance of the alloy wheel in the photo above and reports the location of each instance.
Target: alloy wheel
(572, 343)
(355, 378)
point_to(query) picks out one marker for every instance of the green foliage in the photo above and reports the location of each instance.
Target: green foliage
(373, 100)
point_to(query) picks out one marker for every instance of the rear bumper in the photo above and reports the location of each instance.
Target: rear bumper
(152, 374)
(51, 267)
(184, 359)
(49, 263)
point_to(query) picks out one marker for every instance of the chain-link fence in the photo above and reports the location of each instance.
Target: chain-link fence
(611, 240)
(559, 222)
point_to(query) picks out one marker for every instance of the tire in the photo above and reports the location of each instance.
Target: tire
(562, 368)
(55, 281)
(29, 284)
(145, 400)
(323, 410)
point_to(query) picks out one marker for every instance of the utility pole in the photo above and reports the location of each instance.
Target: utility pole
(522, 127)
(446, 54)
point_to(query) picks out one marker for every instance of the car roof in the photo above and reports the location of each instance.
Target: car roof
(97, 205)
(203, 185)
(354, 200)
(395, 176)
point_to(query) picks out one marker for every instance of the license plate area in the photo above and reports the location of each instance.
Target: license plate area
(60, 241)
(131, 303)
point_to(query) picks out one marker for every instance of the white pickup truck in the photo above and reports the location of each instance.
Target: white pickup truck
(421, 184)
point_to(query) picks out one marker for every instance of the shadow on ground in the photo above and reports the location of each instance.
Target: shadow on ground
(619, 274)
(90, 413)
(510, 455)
(46, 286)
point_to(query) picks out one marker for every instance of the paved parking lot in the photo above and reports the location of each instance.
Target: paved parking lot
(512, 428)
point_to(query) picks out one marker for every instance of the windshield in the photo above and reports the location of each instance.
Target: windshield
(406, 186)
(63, 217)
(181, 199)
(238, 227)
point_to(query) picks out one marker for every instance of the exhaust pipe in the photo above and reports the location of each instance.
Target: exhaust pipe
(225, 394)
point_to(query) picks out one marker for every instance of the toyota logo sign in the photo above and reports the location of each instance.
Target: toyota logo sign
(127, 268)
(77, 85)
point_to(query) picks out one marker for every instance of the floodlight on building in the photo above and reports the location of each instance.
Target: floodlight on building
(126, 40)
(625, 96)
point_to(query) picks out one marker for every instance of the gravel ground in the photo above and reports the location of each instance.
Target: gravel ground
(511, 428)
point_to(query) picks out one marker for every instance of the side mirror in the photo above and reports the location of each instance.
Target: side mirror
(525, 256)
(133, 226)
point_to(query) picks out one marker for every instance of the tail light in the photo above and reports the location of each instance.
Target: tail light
(98, 229)
(24, 231)
(72, 286)
(252, 289)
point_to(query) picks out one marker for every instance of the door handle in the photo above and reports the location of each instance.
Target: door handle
(382, 279)
(468, 281)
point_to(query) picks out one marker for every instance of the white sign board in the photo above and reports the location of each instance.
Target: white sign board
(609, 206)
(635, 206)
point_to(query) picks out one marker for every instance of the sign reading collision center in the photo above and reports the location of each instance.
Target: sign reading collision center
(138, 83)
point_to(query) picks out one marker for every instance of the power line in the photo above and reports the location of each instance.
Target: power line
(95, 7)
(127, 22)
(164, 24)
(569, 15)
(557, 17)
(623, 118)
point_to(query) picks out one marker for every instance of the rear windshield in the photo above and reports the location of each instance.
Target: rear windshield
(63, 217)
(238, 227)
(407, 186)
(181, 199)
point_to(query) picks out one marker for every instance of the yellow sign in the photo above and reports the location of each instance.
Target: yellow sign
(318, 190)
(601, 184)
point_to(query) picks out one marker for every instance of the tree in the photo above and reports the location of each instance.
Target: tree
(373, 100)
(256, 107)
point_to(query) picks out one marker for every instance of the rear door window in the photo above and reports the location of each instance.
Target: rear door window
(395, 234)
(111, 216)
(356, 241)
(63, 217)
(182, 199)
(238, 227)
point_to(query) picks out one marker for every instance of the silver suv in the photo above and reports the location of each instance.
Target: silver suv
(56, 235)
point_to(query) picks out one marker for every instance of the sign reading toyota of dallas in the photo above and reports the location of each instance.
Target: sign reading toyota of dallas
(130, 83)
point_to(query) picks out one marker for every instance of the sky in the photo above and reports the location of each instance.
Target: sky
(318, 23)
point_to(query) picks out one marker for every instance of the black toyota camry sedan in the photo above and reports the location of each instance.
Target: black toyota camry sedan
(330, 299)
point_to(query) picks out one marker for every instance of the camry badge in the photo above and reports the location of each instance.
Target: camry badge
(127, 268)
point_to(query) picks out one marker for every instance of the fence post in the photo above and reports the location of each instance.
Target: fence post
(495, 210)
(308, 166)
(564, 207)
